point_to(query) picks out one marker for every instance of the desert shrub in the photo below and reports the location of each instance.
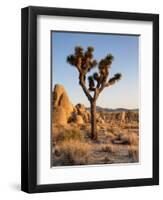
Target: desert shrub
(111, 135)
(69, 134)
(56, 130)
(73, 152)
(133, 152)
(107, 148)
(129, 138)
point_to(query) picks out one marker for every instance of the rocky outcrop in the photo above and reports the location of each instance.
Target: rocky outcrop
(62, 107)
(79, 119)
(80, 115)
(122, 117)
(64, 112)
(82, 111)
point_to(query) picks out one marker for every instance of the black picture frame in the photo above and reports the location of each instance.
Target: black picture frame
(29, 99)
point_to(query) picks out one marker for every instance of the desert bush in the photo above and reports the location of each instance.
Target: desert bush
(73, 152)
(68, 134)
(111, 135)
(133, 139)
(107, 148)
(133, 152)
(129, 138)
(56, 130)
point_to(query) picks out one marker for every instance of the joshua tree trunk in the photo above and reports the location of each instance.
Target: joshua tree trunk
(93, 120)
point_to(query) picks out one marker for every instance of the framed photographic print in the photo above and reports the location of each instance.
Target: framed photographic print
(90, 99)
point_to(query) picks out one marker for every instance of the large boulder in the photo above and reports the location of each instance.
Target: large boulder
(79, 119)
(83, 112)
(59, 116)
(62, 107)
(64, 112)
(80, 115)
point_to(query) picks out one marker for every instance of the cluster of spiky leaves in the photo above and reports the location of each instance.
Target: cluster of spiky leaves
(84, 62)
(100, 79)
(115, 78)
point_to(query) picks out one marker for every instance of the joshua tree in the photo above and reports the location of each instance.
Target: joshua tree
(84, 62)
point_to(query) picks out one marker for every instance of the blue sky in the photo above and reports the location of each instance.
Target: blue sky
(125, 50)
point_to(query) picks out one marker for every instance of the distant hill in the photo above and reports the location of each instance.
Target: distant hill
(98, 108)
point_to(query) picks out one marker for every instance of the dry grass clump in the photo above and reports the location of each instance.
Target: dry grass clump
(133, 152)
(56, 130)
(73, 152)
(110, 135)
(70, 147)
(126, 138)
(109, 148)
(68, 134)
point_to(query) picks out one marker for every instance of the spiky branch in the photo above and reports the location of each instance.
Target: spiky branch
(84, 62)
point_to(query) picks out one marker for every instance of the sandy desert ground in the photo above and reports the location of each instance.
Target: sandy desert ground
(118, 134)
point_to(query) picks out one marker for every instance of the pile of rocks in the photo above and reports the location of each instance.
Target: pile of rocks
(63, 110)
(122, 117)
(80, 115)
